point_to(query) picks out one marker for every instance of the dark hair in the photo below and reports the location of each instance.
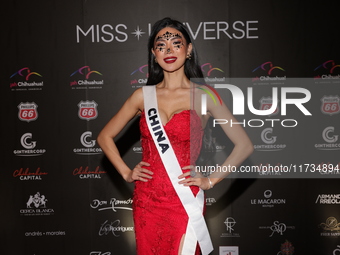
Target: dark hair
(192, 68)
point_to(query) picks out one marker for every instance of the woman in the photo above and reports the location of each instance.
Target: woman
(163, 220)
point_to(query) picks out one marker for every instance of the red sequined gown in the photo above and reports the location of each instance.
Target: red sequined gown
(159, 217)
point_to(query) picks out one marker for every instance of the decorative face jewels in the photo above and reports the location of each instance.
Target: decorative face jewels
(176, 38)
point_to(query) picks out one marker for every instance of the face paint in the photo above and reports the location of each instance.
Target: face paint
(167, 36)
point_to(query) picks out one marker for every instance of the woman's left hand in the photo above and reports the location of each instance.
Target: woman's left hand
(194, 178)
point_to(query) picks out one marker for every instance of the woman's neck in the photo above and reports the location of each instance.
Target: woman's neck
(175, 80)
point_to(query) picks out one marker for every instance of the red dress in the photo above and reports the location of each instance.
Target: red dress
(159, 216)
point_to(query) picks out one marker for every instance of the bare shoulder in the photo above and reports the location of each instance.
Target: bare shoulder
(137, 99)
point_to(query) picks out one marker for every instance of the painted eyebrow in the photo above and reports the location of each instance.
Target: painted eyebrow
(168, 36)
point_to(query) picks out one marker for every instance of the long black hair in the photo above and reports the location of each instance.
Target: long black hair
(192, 68)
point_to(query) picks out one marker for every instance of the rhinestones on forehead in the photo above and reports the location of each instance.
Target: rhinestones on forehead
(167, 36)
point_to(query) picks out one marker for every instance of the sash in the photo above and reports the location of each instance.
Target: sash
(197, 230)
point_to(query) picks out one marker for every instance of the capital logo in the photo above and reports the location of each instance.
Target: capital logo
(87, 110)
(230, 223)
(139, 76)
(86, 141)
(267, 137)
(331, 224)
(266, 103)
(330, 105)
(328, 135)
(286, 248)
(26, 141)
(85, 71)
(37, 201)
(28, 111)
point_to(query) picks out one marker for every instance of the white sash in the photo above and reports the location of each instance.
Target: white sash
(197, 229)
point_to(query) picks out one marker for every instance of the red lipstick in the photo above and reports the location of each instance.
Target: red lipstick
(170, 60)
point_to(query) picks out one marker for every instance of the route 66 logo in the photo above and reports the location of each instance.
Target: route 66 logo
(28, 111)
(330, 105)
(266, 104)
(87, 110)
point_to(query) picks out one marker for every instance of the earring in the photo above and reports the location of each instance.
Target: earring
(156, 60)
(189, 56)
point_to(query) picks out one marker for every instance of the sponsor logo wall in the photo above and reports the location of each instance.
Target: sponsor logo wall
(66, 71)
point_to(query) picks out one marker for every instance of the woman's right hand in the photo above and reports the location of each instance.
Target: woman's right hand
(139, 173)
